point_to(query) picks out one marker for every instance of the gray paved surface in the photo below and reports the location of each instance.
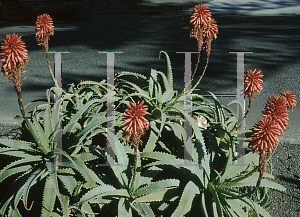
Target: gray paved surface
(255, 7)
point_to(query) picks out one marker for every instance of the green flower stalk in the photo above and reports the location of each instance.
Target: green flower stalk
(204, 29)
(13, 58)
(136, 125)
(45, 29)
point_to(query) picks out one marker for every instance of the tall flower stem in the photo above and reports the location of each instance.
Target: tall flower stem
(196, 66)
(51, 72)
(249, 105)
(182, 92)
(49, 66)
(135, 146)
(203, 72)
(36, 139)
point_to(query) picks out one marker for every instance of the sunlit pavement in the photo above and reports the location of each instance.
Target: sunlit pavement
(141, 33)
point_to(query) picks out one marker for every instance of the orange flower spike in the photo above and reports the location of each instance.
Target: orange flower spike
(211, 30)
(253, 82)
(44, 28)
(13, 54)
(200, 15)
(276, 109)
(290, 99)
(134, 121)
(265, 135)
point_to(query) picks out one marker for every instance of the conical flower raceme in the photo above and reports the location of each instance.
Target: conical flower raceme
(13, 58)
(200, 15)
(277, 110)
(135, 123)
(202, 27)
(13, 53)
(290, 99)
(253, 82)
(209, 32)
(265, 136)
(44, 28)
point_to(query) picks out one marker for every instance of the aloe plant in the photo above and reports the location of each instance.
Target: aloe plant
(35, 168)
(129, 195)
(224, 194)
(215, 186)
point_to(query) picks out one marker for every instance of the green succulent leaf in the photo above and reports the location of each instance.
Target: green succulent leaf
(201, 148)
(241, 165)
(157, 186)
(119, 149)
(154, 132)
(157, 155)
(153, 197)
(216, 199)
(18, 144)
(186, 199)
(165, 83)
(124, 209)
(17, 167)
(17, 152)
(167, 96)
(118, 171)
(143, 209)
(69, 182)
(41, 133)
(168, 68)
(48, 198)
(156, 114)
(39, 174)
(251, 181)
(104, 191)
(137, 75)
(234, 204)
(198, 170)
(205, 205)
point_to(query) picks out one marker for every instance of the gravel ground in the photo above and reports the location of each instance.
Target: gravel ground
(284, 166)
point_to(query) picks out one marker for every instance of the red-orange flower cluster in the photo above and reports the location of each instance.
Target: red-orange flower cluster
(13, 53)
(200, 15)
(253, 82)
(266, 132)
(13, 58)
(290, 99)
(276, 109)
(135, 123)
(44, 28)
(265, 135)
(203, 27)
